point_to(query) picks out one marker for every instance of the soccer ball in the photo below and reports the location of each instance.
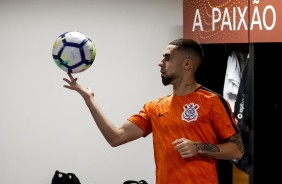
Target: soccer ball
(73, 52)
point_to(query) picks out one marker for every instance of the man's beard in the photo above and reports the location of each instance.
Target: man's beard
(167, 80)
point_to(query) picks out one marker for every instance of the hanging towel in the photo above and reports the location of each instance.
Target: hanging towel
(232, 79)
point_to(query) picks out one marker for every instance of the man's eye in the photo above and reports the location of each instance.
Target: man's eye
(167, 58)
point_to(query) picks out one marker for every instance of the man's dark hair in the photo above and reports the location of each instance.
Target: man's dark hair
(188, 45)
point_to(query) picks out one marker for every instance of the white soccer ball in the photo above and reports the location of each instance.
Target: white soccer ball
(73, 52)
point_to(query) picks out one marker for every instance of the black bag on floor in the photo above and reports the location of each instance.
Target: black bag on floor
(135, 182)
(64, 178)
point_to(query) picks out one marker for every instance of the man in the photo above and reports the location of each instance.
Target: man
(191, 128)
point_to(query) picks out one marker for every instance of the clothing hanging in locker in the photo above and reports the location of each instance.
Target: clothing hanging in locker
(232, 79)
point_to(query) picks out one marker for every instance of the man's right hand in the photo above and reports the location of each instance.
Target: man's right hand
(86, 93)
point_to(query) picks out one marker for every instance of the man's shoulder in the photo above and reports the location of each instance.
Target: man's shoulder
(160, 100)
(208, 93)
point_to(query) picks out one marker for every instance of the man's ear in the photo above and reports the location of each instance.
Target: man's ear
(188, 64)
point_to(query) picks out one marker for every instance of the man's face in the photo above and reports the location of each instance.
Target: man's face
(171, 65)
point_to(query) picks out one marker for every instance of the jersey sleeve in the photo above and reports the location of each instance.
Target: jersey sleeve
(142, 120)
(223, 117)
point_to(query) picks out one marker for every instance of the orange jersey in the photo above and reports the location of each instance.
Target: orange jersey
(201, 116)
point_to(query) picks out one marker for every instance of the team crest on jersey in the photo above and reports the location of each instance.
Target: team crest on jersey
(190, 112)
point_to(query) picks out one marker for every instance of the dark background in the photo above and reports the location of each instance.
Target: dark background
(265, 106)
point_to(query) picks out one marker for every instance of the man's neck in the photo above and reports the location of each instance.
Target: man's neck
(185, 88)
